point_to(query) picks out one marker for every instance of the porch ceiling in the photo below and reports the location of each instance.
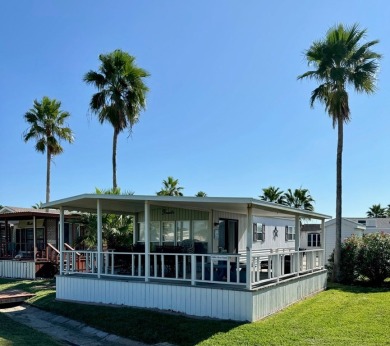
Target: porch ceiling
(120, 204)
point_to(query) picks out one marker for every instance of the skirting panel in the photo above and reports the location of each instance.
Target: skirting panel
(17, 269)
(191, 300)
(273, 298)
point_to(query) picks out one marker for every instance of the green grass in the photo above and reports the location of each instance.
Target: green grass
(15, 334)
(342, 315)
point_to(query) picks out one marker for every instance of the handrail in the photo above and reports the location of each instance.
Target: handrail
(53, 247)
(70, 248)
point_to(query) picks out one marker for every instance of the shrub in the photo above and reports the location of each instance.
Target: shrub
(374, 257)
(366, 257)
(348, 262)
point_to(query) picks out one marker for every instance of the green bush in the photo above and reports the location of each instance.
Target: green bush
(348, 262)
(364, 258)
(374, 257)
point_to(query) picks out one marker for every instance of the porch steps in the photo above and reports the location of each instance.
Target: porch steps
(14, 296)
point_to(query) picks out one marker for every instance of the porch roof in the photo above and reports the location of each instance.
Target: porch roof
(130, 204)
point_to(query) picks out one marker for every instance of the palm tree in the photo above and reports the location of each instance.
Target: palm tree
(170, 188)
(121, 94)
(300, 199)
(47, 127)
(273, 194)
(37, 205)
(339, 60)
(376, 211)
(113, 191)
(201, 194)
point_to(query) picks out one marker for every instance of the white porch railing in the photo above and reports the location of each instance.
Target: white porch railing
(266, 266)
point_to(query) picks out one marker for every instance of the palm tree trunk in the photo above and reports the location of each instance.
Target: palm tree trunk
(48, 164)
(114, 142)
(337, 251)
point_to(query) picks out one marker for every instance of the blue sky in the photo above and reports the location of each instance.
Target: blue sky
(225, 112)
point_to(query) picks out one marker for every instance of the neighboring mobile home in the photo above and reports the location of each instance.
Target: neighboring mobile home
(229, 258)
(29, 241)
(312, 236)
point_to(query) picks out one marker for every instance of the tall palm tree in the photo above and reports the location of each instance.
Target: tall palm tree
(121, 95)
(170, 188)
(376, 211)
(300, 199)
(339, 60)
(273, 194)
(201, 194)
(47, 127)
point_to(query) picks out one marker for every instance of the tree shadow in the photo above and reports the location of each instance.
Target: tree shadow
(361, 287)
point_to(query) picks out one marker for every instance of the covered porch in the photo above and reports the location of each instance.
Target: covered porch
(193, 244)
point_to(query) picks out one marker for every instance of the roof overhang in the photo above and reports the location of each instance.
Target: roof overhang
(131, 204)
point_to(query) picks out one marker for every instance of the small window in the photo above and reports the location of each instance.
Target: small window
(290, 233)
(258, 232)
(314, 240)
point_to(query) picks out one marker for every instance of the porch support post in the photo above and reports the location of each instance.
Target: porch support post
(147, 240)
(35, 237)
(8, 239)
(323, 242)
(61, 241)
(99, 237)
(297, 243)
(249, 242)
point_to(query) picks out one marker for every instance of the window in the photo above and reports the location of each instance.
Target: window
(182, 231)
(314, 239)
(154, 231)
(290, 233)
(200, 229)
(141, 231)
(168, 232)
(258, 232)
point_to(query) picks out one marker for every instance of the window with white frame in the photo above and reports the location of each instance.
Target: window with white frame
(182, 231)
(290, 233)
(154, 232)
(314, 240)
(141, 231)
(168, 232)
(258, 232)
(200, 230)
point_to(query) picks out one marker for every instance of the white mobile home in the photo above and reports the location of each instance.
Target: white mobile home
(229, 258)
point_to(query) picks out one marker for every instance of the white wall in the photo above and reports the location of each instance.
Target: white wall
(347, 229)
(271, 241)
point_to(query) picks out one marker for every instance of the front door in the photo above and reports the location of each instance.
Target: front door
(228, 235)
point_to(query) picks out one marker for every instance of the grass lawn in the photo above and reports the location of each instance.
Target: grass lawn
(342, 315)
(15, 334)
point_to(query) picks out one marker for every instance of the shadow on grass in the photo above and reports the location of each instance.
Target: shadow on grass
(362, 287)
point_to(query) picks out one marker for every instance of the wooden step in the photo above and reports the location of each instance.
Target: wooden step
(14, 296)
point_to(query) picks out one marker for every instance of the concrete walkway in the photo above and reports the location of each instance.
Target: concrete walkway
(62, 329)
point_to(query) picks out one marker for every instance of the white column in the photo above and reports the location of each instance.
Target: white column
(35, 237)
(99, 237)
(297, 243)
(249, 242)
(61, 240)
(147, 240)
